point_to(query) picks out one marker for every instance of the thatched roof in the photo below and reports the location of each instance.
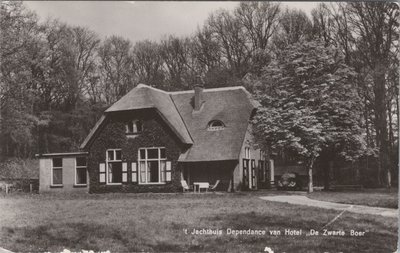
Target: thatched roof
(231, 105)
(141, 97)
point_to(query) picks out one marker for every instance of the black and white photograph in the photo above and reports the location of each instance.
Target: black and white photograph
(199, 126)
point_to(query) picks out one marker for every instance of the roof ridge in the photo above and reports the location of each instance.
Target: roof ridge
(209, 90)
(142, 85)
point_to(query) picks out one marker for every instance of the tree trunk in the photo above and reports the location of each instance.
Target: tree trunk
(366, 118)
(327, 175)
(381, 125)
(310, 174)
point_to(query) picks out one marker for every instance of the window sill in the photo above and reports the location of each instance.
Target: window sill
(132, 135)
(152, 183)
(113, 183)
(215, 129)
(80, 185)
(57, 186)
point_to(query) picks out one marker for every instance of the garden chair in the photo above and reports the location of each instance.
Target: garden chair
(214, 187)
(185, 187)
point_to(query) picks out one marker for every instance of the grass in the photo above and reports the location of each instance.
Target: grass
(156, 222)
(369, 197)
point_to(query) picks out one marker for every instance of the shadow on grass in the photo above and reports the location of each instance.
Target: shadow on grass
(80, 236)
(73, 236)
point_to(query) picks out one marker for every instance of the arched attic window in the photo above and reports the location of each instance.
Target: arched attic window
(134, 127)
(215, 125)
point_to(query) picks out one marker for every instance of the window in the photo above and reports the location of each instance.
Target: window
(215, 125)
(152, 165)
(247, 152)
(134, 127)
(262, 155)
(114, 166)
(56, 171)
(262, 167)
(80, 171)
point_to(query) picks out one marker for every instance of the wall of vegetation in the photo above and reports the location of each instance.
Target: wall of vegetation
(112, 136)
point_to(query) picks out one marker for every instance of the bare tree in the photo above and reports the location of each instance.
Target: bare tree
(148, 63)
(205, 50)
(375, 27)
(232, 39)
(294, 26)
(175, 53)
(259, 20)
(116, 67)
(86, 43)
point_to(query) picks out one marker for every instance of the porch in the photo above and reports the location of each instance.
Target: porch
(210, 172)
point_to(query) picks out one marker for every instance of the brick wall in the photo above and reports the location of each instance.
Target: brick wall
(112, 136)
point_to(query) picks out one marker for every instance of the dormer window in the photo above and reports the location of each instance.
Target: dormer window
(134, 127)
(215, 125)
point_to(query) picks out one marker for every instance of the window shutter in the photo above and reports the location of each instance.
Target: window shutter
(102, 172)
(168, 172)
(124, 172)
(134, 172)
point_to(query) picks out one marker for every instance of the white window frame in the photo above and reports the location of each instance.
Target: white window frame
(80, 167)
(247, 153)
(134, 125)
(52, 168)
(210, 126)
(262, 155)
(159, 159)
(108, 161)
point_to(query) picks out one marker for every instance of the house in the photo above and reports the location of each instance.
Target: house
(150, 140)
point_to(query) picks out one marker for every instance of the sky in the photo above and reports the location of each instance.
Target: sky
(138, 20)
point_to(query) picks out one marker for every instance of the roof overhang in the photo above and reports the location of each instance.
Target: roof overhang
(92, 132)
(73, 154)
(207, 161)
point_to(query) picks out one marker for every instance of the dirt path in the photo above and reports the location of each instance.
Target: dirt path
(2, 250)
(303, 200)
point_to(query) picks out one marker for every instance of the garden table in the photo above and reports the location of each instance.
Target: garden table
(201, 185)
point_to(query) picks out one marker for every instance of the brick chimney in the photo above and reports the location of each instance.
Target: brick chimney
(198, 96)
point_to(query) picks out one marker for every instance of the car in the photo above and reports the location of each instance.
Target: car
(289, 181)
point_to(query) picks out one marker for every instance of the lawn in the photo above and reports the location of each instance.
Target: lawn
(157, 222)
(370, 197)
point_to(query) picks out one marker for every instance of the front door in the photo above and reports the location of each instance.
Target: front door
(249, 174)
(245, 174)
(253, 176)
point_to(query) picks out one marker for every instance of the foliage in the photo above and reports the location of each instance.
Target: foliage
(309, 103)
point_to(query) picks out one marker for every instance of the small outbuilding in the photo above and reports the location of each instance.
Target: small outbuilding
(65, 172)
